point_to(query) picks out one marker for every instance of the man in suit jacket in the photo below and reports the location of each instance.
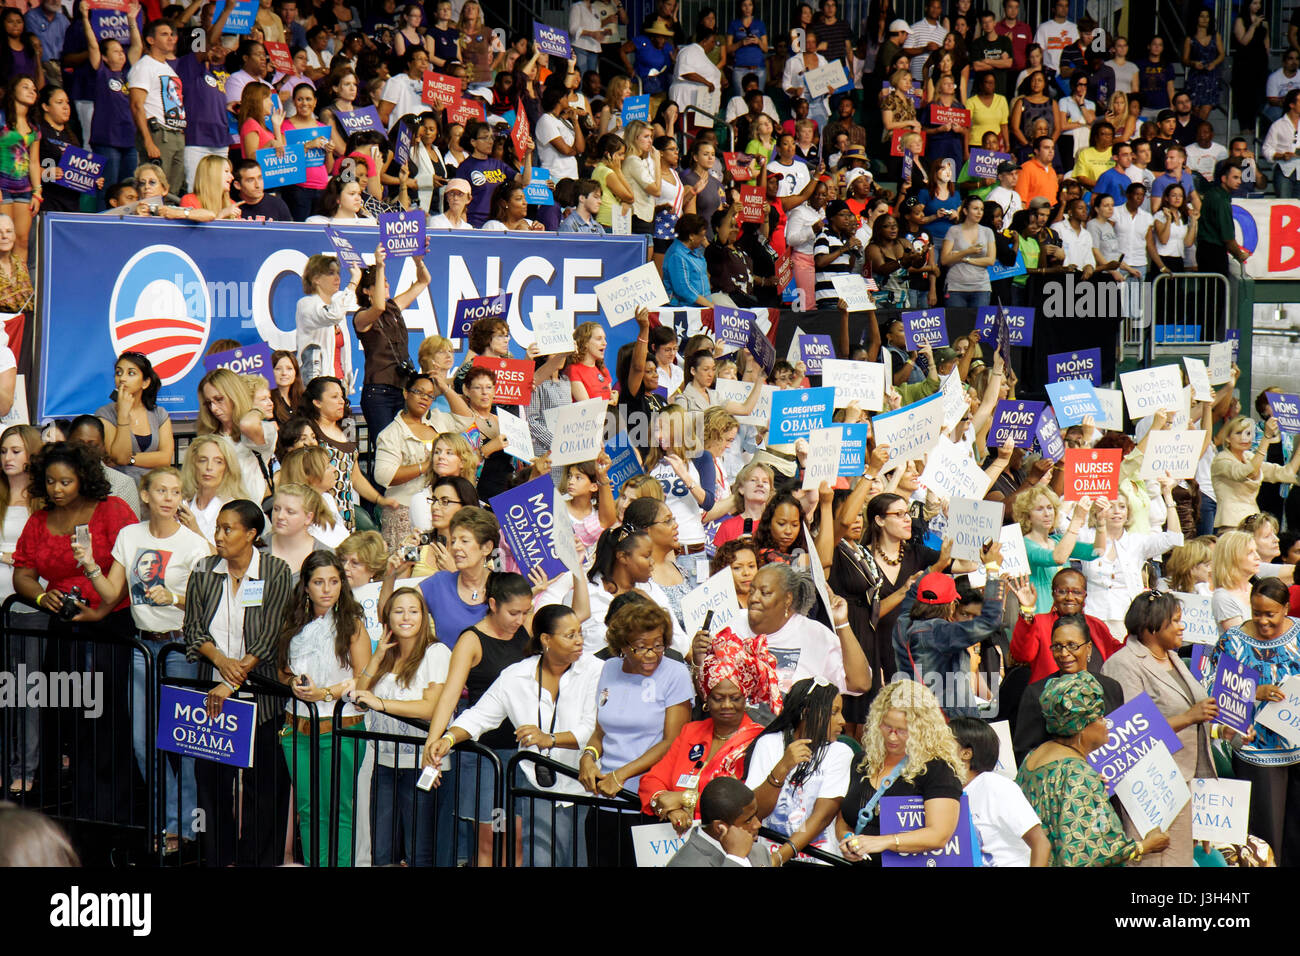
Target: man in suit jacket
(729, 822)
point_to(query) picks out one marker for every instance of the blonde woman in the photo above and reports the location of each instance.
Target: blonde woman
(211, 197)
(1118, 116)
(1237, 473)
(1189, 569)
(908, 751)
(210, 478)
(226, 409)
(1037, 511)
(610, 118)
(293, 512)
(1115, 576)
(642, 170)
(746, 500)
(638, 486)
(437, 358)
(452, 455)
(671, 460)
(1235, 562)
(311, 466)
(319, 315)
(480, 50)
(586, 371)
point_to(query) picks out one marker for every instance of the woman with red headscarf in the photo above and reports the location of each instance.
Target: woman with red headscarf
(736, 672)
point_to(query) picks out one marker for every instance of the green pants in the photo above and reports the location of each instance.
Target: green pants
(297, 754)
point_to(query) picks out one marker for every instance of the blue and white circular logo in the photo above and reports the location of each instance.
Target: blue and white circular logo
(161, 307)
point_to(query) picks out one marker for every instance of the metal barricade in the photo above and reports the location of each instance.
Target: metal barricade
(1189, 312)
(67, 730)
(392, 821)
(591, 831)
(238, 816)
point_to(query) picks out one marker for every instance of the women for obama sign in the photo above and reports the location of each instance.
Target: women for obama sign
(911, 431)
(1148, 390)
(1153, 790)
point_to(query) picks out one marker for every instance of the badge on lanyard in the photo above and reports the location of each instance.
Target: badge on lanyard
(701, 569)
(688, 781)
(250, 594)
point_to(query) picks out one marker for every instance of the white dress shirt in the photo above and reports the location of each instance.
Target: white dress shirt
(315, 321)
(1113, 583)
(1283, 137)
(514, 696)
(582, 16)
(1077, 245)
(1131, 231)
(801, 228)
(227, 626)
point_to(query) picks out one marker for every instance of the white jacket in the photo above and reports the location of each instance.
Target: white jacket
(315, 322)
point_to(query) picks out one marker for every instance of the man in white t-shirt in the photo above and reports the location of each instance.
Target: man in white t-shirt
(1056, 34)
(794, 172)
(157, 106)
(1280, 83)
(695, 78)
(1004, 193)
(402, 93)
(1205, 154)
(1009, 830)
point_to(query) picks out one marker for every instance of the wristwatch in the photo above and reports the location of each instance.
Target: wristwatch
(132, 461)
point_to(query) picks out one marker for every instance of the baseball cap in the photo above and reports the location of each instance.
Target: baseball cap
(945, 353)
(1040, 202)
(458, 185)
(900, 26)
(835, 207)
(1006, 167)
(1164, 115)
(936, 588)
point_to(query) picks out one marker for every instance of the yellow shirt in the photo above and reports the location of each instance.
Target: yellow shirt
(1092, 163)
(984, 118)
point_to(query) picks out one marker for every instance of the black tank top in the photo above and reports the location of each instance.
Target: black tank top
(496, 655)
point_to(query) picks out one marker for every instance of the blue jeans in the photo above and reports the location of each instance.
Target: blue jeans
(403, 829)
(587, 61)
(967, 300)
(380, 404)
(550, 842)
(179, 770)
(25, 651)
(1287, 186)
(1209, 507)
(119, 163)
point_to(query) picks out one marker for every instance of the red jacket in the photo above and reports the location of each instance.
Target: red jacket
(1031, 643)
(688, 751)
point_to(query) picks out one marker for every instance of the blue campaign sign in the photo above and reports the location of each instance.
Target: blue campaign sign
(168, 289)
(81, 168)
(526, 515)
(469, 311)
(1085, 364)
(901, 814)
(550, 40)
(1017, 421)
(1134, 727)
(287, 170)
(924, 326)
(1286, 409)
(343, 248)
(360, 120)
(797, 412)
(1234, 692)
(300, 137)
(761, 347)
(999, 271)
(1020, 324)
(984, 163)
(636, 108)
(623, 463)
(853, 450)
(1048, 434)
(240, 21)
(731, 326)
(185, 728)
(115, 25)
(813, 350)
(402, 146)
(402, 233)
(245, 360)
(537, 192)
(1074, 399)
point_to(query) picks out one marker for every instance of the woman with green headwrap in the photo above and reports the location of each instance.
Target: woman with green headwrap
(1066, 793)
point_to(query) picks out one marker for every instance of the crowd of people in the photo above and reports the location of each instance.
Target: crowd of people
(862, 661)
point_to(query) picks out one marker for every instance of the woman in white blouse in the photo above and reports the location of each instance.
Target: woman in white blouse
(641, 170)
(402, 680)
(209, 479)
(341, 203)
(323, 645)
(430, 168)
(455, 197)
(319, 316)
(1115, 578)
(792, 79)
(550, 698)
(1173, 232)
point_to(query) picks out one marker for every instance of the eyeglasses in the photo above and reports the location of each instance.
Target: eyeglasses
(898, 514)
(444, 502)
(1070, 592)
(654, 650)
(1070, 647)
(419, 394)
(886, 730)
(669, 520)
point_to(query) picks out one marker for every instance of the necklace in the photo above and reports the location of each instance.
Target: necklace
(892, 562)
(718, 736)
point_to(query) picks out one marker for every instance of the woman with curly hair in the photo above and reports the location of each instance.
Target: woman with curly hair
(323, 646)
(1036, 511)
(908, 751)
(588, 376)
(76, 495)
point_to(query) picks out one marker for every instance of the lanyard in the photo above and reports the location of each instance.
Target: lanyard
(868, 813)
(555, 712)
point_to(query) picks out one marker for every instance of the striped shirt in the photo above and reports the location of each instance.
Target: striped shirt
(922, 33)
(845, 264)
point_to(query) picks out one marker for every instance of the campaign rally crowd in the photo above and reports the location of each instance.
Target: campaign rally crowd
(865, 594)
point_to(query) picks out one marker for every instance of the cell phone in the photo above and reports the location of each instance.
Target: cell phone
(302, 680)
(81, 535)
(428, 778)
(708, 619)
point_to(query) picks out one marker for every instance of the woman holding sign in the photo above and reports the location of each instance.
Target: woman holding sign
(56, 136)
(112, 131)
(302, 198)
(1267, 643)
(1149, 664)
(255, 104)
(1037, 510)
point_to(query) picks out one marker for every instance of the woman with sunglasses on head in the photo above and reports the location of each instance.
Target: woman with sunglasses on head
(431, 512)
(137, 433)
(643, 701)
(624, 560)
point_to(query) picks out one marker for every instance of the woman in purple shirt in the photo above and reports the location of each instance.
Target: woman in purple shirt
(18, 56)
(112, 130)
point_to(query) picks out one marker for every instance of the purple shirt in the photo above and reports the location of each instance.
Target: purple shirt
(484, 176)
(205, 103)
(112, 124)
(451, 616)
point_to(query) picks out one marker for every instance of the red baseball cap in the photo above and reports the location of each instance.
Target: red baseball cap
(936, 588)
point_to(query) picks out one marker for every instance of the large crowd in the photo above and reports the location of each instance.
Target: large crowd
(954, 161)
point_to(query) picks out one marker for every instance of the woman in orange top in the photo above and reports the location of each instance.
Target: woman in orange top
(736, 672)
